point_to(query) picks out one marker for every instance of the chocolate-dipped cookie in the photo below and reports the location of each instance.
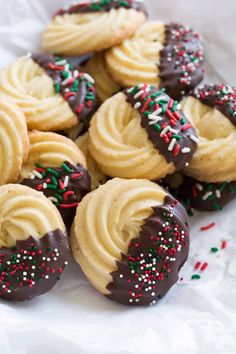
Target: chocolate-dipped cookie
(34, 248)
(57, 168)
(51, 91)
(142, 241)
(93, 26)
(169, 56)
(141, 133)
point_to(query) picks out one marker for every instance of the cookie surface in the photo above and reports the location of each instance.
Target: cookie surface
(169, 56)
(34, 247)
(141, 134)
(135, 254)
(214, 120)
(44, 96)
(14, 142)
(57, 168)
(104, 84)
(90, 27)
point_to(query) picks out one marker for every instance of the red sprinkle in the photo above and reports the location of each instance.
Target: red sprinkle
(185, 127)
(80, 108)
(176, 150)
(55, 67)
(177, 115)
(68, 206)
(197, 265)
(224, 244)
(77, 175)
(69, 94)
(170, 115)
(39, 187)
(204, 266)
(146, 104)
(207, 227)
(66, 194)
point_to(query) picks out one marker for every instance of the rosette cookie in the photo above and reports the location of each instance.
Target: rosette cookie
(212, 110)
(130, 238)
(57, 168)
(140, 133)
(97, 177)
(169, 56)
(34, 246)
(93, 26)
(104, 84)
(14, 142)
(51, 92)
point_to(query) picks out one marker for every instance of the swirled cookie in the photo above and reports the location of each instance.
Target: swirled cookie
(104, 84)
(51, 92)
(88, 27)
(141, 134)
(169, 56)
(57, 168)
(14, 142)
(34, 247)
(97, 177)
(131, 239)
(212, 110)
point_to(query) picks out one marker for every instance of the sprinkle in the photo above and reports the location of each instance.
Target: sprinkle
(68, 206)
(196, 276)
(66, 168)
(207, 227)
(194, 138)
(204, 266)
(37, 174)
(207, 195)
(172, 143)
(214, 249)
(176, 150)
(137, 105)
(197, 265)
(185, 150)
(224, 244)
(199, 186)
(53, 199)
(138, 94)
(66, 181)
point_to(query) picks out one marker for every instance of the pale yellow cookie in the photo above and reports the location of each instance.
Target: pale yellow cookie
(104, 84)
(215, 158)
(14, 142)
(51, 150)
(29, 86)
(80, 33)
(121, 146)
(97, 177)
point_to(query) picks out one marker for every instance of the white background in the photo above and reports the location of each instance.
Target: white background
(196, 316)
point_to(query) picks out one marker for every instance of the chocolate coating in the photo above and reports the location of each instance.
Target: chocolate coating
(102, 6)
(199, 195)
(66, 199)
(181, 61)
(32, 267)
(179, 128)
(79, 92)
(221, 97)
(151, 266)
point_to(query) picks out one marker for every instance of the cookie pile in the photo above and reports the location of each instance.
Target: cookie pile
(100, 136)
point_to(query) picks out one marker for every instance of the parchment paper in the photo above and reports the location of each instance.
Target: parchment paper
(196, 316)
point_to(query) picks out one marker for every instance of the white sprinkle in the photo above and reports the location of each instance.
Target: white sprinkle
(121, 275)
(46, 276)
(165, 130)
(66, 181)
(130, 300)
(55, 258)
(32, 274)
(206, 195)
(172, 144)
(61, 62)
(31, 176)
(55, 249)
(76, 74)
(153, 294)
(159, 98)
(24, 273)
(218, 194)
(158, 111)
(33, 267)
(45, 186)
(194, 138)
(66, 263)
(89, 78)
(199, 186)
(66, 81)
(173, 131)
(185, 150)
(53, 199)
(153, 119)
(137, 105)
(138, 94)
(130, 89)
(37, 174)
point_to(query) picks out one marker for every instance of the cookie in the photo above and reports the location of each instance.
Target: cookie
(34, 246)
(131, 239)
(57, 168)
(105, 86)
(97, 177)
(169, 56)
(88, 27)
(14, 142)
(52, 93)
(141, 133)
(212, 110)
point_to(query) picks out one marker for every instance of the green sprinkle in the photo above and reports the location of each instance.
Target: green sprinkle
(54, 180)
(38, 165)
(53, 172)
(51, 186)
(196, 276)
(66, 168)
(222, 187)
(124, 3)
(216, 206)
(58, 196)
(157, 127)
(66, 74)
(156, 94)
(182, 121)
(178, 137)
(57, 87)
(146, 113)
(210, 187)
(214, 249)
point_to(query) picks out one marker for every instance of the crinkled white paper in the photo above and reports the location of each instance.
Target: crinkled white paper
(196, 316)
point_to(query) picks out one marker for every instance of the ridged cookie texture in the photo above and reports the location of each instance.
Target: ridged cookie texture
(57, 168)
(97, 177)
(14, 142)
(212, 110)
(33, 243)
(130, 239)
(141, 134)
(92, 27)
(104, 84)
(169, 56)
